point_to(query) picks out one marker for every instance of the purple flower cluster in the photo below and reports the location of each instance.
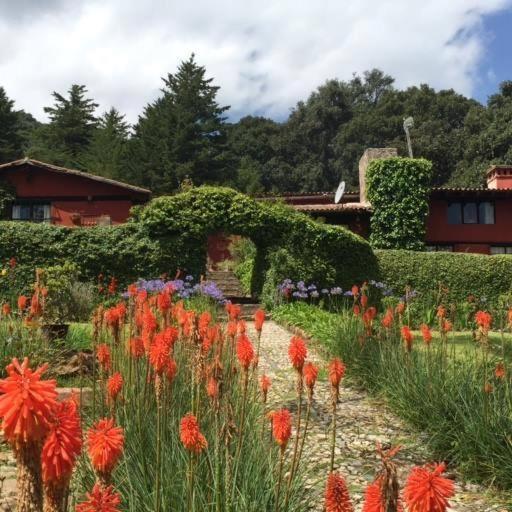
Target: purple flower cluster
(183, 288)
(300, 290)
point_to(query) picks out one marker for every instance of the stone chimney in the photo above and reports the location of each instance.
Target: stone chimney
(369, 155)
(499, 177)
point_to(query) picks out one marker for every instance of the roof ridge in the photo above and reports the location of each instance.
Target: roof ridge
(76, 172)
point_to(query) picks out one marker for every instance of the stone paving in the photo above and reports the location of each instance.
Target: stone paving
(362, 423)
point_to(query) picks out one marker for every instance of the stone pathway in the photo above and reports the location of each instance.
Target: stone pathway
(361, 423)
(7, 478)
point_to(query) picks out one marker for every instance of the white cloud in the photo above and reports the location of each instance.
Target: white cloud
(266, 55)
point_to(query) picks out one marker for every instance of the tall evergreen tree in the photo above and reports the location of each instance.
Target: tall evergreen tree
(11, 140)
(66, 138)
(106, 153)
(181, 135)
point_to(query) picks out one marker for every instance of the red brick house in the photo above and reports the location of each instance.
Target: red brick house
(48, 193)
(476, 220)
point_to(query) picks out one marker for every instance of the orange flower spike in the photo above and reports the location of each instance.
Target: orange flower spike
(136, 348)
(441, 312)
(408, 337)
(483, 320)
(105, 444)
(265, 384)
(171, 370)
(499, 370)
(104, 357)
(244, 351)
(356, 310)
(6, 309)
(426, 334)
(374, 500)
(259, 319)
(336, 372)
(114, 386)
(387, 320)
(400, 308)
(164, 301)
(364, 301)
(427, 491)
(101, 499)
(241, 327)
(27, 403)
(232, 329)
(212, 388)
(191, 436)
(310, 375)
(204, 322)
(297, 352)
(63, 443)
(159, 353)
(22, 302)
(355, 291)
(446, 325)
(282, 427)
(337, 498)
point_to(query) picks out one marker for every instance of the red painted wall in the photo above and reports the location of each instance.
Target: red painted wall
(34, 182)
(31, 182)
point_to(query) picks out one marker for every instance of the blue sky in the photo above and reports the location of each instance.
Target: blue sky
(496, 65)
(266, 55)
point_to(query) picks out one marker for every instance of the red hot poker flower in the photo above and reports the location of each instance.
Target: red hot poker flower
(336, 372)
(297, 352)
(499, 371)
(337, 498)
(244, 351)
(114, 385)
(63, 443)
(441, 312)
(104, 357)
(427, 491)
(310, 374)
(22, 302)
(355, 291)
(190, 434)
(159, 353)
(136, 348)
(265, 384)
(6, 309)
(374, 500)
(101, 499)
(387, 320)
(105, 443)
(446, 325)
(400, 308)
(407, 337)
(259, 319)
(27, 403)
(212, 388)
(282, 427)
(483, 320)
(426, 334)
(171, 370)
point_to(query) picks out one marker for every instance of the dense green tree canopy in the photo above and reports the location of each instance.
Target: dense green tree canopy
(184, 135)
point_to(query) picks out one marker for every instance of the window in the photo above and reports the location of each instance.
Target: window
(35, 212)
(501, 249)
(439, 248)
(471, 213)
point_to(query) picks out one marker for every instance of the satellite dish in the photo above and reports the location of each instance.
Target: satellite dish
(339, 192)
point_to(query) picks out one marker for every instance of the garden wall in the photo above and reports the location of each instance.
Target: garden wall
(485, 277)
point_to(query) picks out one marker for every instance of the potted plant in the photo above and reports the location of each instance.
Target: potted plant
(55, 287)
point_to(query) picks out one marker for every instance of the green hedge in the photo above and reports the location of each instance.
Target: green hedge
(171, 232)
(485, 277)
(399, 189)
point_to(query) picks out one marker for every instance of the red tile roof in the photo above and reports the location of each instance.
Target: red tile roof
(333, 208)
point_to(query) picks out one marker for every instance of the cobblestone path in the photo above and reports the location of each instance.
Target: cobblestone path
(361, 423)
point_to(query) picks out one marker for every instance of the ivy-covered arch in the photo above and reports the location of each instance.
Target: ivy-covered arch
(289, 244)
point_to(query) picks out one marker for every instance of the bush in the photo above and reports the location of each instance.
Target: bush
(398, 189)
(451, 277)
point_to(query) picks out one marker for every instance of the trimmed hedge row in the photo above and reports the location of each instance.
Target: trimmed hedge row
(171, 232)
(485, 277)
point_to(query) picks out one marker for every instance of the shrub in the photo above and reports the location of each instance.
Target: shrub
(398, 189)
(451, 277)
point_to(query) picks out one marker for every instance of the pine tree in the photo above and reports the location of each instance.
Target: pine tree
(181, 135)
(11, 141)
(106, 151)
(66, 138)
